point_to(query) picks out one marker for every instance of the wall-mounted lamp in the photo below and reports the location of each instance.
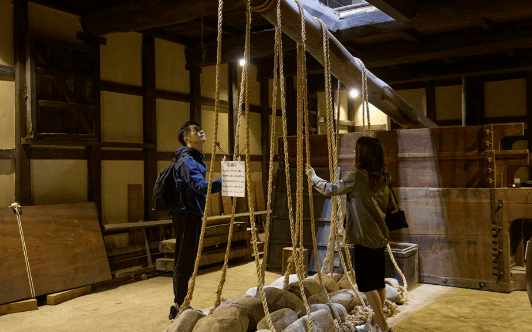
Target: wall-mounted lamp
(353, 93)
(242, 62)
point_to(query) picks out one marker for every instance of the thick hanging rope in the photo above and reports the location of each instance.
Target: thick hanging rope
(278, 70)
(192, 282)
(17, 209)
(333, 144)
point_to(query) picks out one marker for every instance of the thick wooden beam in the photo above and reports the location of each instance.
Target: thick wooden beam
(94, 170)
(7, 153)
(474, 101)
(265, 132)
(136, 16)
(401, 10)
(346, 68)
(529, 136)
(149, 123)
(195, 94)
(232, 115)
(430, 99)
(291, 108)
(350, 112)
(121, 88)
(22, 164)
(8, 71)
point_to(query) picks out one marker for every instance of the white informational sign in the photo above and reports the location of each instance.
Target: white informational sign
(234, 178)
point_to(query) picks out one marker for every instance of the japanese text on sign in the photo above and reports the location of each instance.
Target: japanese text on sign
(234, 178)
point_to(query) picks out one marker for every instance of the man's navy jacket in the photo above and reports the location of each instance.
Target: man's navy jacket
(189, 175)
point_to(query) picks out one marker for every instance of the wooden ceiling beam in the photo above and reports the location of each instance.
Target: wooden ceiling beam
(149, 14)
(474, 67)
(432, 13)
(343, 65)
(401, 10)
(449, 45)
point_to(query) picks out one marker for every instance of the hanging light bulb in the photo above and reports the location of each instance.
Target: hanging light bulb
(242, 62)
(353, 93)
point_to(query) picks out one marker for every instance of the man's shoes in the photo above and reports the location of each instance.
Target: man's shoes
(174, 311)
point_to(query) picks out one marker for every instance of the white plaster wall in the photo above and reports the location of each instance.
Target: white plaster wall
(54, 24)
(58, 181)
(449, 102)
(171, 115)
(505, 98)
(121, 58)
(170, 71)
(116, 175)
(121, 117)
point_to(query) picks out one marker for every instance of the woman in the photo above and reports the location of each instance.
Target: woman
(368, 200)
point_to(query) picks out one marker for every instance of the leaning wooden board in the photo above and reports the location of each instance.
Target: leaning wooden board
(65, 250)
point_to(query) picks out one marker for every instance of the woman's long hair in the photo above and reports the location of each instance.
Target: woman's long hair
(369, 155)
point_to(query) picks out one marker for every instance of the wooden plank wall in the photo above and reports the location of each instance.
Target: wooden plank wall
(455, 157)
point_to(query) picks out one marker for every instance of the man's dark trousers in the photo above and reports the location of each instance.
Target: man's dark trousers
(187, 229)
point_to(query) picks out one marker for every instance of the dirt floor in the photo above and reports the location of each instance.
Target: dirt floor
(144, 305)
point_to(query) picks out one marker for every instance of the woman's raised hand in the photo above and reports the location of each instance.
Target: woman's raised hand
(310, 171)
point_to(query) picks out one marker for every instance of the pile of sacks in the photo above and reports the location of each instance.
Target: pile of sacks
(286, 307)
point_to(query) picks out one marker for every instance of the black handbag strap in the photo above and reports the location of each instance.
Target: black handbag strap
(393, 193)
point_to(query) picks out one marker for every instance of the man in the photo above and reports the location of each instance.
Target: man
(189, 174)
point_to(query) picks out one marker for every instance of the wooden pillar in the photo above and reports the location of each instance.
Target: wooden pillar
(22, 163)
(149, 123)
(529, 121)
(473, 94)
(351, 113)
(430, 99)
(291, 107)
(232, 116)
(94, 169)
(265, 132)
(195, 94)
(94, 153)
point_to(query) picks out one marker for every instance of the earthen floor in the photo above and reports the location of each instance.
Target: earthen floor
(143, 306)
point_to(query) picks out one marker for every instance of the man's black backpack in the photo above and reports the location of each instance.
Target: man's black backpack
(164, 192)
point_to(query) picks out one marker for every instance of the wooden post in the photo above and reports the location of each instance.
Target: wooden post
(430, 98)
(351, 113)
(94, 169)
(94, 153)
(344, 66)
(265, 132)
(529, 121)
(149, 123)
(464, 103)
(195, 94)
(233, 104)
(22, 163)
(473, 100)
(291, 107)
